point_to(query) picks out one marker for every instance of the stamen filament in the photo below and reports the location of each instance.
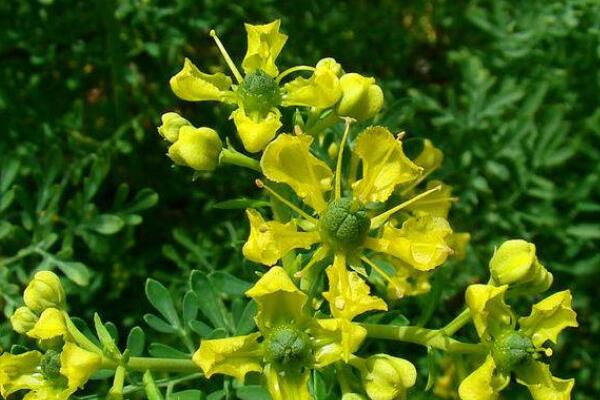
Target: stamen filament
(338, 167)
(285, 201)
(381, 272)
(416, 182)
(380, 219)
(292, 70)
(228, 60)
(317, 256)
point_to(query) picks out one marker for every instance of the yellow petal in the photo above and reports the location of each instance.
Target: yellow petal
(459, 241)
(279, 301)
(348, 294)
(256, 133)
(235, 356)
(288, 160)
(288, 385)
(23, 320)
(384, 165)
(18, 372)
(171, 123)
(484, 383)
(388, 378)
(197, 148)
(422, 242)
(549, 317)
(193, 85)
(491, 315)
(77, 364)
(336, 339)
(49, 391)
(361, 98)
(270, 241)
(407, 281)
(50, 325)
(264, 45)
(44, 291)
(436, 204)
(515, 262)
(321, 90)
(430, 157)
(541, 384)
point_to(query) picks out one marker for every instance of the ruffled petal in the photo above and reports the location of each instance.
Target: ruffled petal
(77, 364)
(549, 317)
(422, 242)
(321, 90)
(491, 315)
(436, 204)
(256, 133)
(484, 383)
(336, 339)
(542, 385)
(193, 85)
(270, 241)
(287, 385)
(264, 45)
(50, 325)
(279, 301)
(234, 356)
(18, 372)
(430, 157)
(348, 294)
(384, 165)
(288, 160)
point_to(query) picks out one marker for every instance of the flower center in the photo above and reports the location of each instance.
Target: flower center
(259, 92)
(511, 349)
(50, 365)
(288, 348)
(344, 224)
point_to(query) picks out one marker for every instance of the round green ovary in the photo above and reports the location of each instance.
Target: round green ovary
(288, 348)
(50, 365)
(344, 224)
(259, 92)
(512, 349)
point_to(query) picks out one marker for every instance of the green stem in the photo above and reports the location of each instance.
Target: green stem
(425, 337)
(454, 326)
(161, 364)
(150, 387)
(229, 156)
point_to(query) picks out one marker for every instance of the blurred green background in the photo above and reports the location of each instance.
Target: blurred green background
(508, 89)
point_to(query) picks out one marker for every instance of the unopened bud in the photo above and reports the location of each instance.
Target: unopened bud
(23, 319)
(171, 123)
(44, 291)
(361, 98)
(388, 378)
(197, 148)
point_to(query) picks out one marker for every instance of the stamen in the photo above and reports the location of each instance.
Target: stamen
(380, 219)
(381, 272)
(285, 201)
(417, 182)
(317, 256)
(292, 70)
(228, 60)
(338, 167)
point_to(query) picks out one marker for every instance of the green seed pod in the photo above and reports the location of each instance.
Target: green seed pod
(288, 348)
(511, 349)
(259, 92)
(344, 224)
(50, 365)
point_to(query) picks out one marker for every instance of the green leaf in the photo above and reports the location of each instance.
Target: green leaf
(246, 323)
(105, 224)
(162, 350)
(229, 284)
(252, 392)
(136, 341)
(211, 305)
(158, 324)
(161, 299)
(106, 339)
(144, 199)
(200, 328)
(75, 271)
(190, 307)
(585, 231)
(190, 394)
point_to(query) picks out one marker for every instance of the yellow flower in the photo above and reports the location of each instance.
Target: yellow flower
(515, 263)
(191, 84)
(256, 133)
(44, 291)
(23, 319)
(264, 45)
(321, 90)
(197, 148)
(361, 98)
(343, 226)
(52, 375)
(513, 350)
(289, 342)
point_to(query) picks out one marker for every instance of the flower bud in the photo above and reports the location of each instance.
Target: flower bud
(44, 291)
(171, 123)
(515, 263)
(197, 148)
(387, 378)
(23, 319)
(361, 98)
